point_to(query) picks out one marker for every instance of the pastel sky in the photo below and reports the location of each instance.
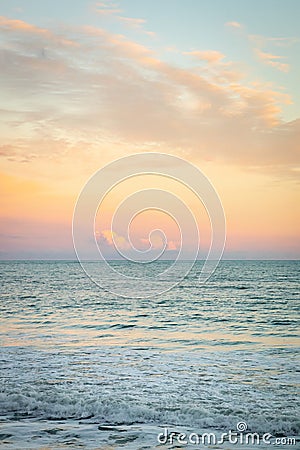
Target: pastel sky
(214, 82)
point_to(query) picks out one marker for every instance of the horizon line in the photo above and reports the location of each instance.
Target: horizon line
(124, 260)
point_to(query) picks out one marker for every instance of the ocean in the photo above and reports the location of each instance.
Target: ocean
(83, 368)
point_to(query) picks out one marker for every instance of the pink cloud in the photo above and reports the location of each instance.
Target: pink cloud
(113, 239)
(272, 60)
(172, 245)
(234, 24)
(211, 56)
(14, 25)
(119, 88)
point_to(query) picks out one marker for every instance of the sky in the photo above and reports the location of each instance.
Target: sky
(84, 83)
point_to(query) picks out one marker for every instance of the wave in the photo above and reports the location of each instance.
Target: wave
(112, 411)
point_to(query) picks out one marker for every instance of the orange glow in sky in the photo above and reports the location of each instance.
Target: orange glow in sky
(104, 83)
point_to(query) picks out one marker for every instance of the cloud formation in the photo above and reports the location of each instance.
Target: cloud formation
(210, 56)
(85, 83)
(112, 11)
(76, 97)
(112, 239)
(234, 24)
(272, 60)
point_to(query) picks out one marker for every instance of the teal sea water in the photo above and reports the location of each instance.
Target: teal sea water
(82, 368)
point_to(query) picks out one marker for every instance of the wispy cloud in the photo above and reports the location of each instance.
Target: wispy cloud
(272, 60)
(111, 86)
(131, 21)
(262, 41)
(107, 8)
(284, 41)
(22, 27)
(115, 13)
(210, 56)
(264, 48)
(234, 24)
(75, 97)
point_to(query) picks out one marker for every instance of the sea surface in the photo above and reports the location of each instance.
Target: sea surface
(82, 368)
